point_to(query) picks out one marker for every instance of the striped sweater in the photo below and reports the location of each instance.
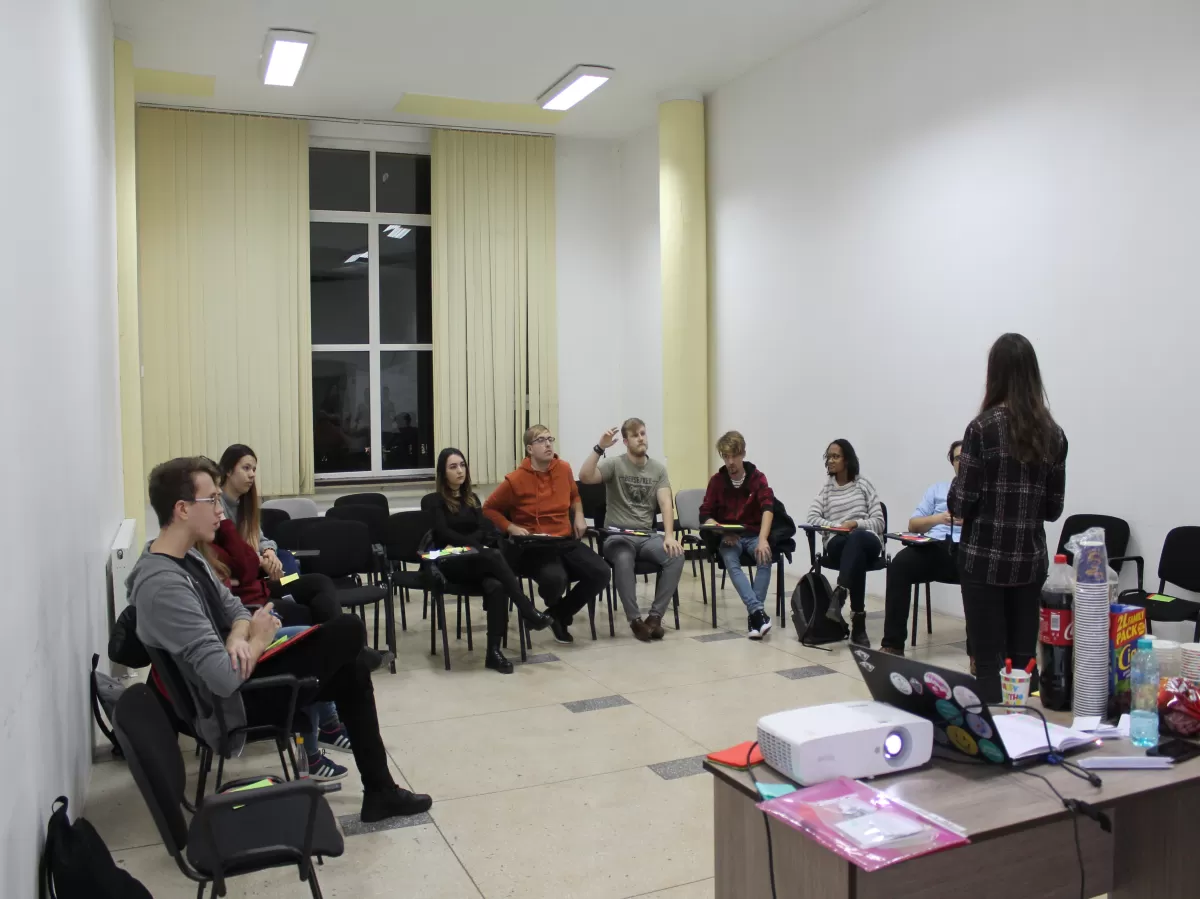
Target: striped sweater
(856, 501)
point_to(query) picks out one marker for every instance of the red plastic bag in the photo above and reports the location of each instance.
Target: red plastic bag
(1179, 707)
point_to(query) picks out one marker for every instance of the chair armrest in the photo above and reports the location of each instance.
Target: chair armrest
(290, 682)
(305, 553)
(1136, 560)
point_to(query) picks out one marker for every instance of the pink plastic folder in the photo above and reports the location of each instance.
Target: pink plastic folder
(861, 824)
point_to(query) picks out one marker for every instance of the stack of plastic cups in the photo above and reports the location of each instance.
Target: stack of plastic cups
(1091, 629)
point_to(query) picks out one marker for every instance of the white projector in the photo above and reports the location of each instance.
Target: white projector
(850, 739)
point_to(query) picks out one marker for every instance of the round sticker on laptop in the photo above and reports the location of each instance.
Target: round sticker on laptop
(916, 685)
(979, 727)
(900, 682)
(991, 751)
(963, 740)
(966, 697)
(937, 685)
(939, 737)
(949, 711)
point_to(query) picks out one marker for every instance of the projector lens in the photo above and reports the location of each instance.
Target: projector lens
(893, 745)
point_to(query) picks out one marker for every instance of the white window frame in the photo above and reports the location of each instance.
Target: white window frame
(373, 347)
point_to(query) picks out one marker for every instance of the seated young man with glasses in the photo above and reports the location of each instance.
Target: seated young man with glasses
(918, 564)
(541, 497)
(185, 611)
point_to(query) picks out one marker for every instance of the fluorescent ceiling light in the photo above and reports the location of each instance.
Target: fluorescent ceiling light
(397, 231)
(283, 56)
(574, 86)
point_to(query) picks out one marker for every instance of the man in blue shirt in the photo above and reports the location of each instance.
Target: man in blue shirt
(927, 562)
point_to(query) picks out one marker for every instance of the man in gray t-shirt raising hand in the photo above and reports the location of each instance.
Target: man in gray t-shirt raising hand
(637, 489)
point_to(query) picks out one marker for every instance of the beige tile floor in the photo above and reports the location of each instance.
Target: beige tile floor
(532, 799)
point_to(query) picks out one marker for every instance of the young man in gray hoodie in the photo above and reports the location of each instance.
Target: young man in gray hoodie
(183, 609)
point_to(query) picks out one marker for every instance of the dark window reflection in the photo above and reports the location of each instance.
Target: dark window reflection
(341, 411)
(402, 183)
(406, 408)
(339, 272)
(405, 284)
(339, 180)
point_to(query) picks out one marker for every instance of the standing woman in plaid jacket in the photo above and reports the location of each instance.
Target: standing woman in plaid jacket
(1011, 480)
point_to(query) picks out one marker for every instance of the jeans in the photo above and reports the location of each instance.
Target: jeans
(319, 714)
(333, 655)
(913, 565)
(553, 568)
(1002, 623)
(753, 597)
(623, 552)
(488, 571)
(853, 555)
(291, 565)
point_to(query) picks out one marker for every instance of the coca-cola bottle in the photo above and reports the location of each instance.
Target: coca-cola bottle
(1057, 636)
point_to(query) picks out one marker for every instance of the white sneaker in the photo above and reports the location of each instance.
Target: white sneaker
(758, 625)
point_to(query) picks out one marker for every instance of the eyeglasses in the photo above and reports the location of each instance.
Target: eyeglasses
(210, 499)
(832, 457)
(549, 441)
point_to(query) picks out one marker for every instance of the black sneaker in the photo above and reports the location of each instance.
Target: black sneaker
(758, 625)
(858, 630)
(561, 634)
(393, 803)
(834, 612)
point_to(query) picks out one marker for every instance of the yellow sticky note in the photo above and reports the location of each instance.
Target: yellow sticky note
(288, 578)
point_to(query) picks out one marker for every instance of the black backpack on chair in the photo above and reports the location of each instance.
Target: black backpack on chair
(810, 601)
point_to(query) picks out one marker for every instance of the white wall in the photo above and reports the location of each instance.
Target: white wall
(609, 314)
(891, 197)
(61, 450)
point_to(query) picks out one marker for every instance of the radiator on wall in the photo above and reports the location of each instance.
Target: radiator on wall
(121, 558)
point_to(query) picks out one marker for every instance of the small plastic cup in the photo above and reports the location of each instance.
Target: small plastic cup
(1014, 687)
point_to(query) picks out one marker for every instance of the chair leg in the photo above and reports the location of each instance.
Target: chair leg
(467, 601)
(375, 608)
(433, 624)
(205, 764)
(928, 610)
(780, 606)
(722, 581)
(610, 601)
(459, 627)
(592, 616)
(703, 583)
(521, 636)
(403, 618)
(425, 606)
(916, 612)
(313, 886)
(712, 581)
(220, 772)
(675, 604)
(441, 613)
(200, 889)
(389, 627)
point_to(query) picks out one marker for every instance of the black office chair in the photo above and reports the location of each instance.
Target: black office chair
(344, 553)
(1178, 564)
(270, 520)
(232, 833)
(783, 545)
(405, 531)
(184, 706)
(594, 498)
(362, 499)
(1116, 536)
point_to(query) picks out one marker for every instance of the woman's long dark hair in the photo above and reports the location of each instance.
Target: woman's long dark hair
(464, 492)
(849, 456)
(247, 505)
(1014, 380)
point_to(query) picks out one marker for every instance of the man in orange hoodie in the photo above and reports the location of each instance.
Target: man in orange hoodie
(541, 497)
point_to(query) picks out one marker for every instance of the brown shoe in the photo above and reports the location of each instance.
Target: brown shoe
(892, 651)
(654, 622)
(640, 630)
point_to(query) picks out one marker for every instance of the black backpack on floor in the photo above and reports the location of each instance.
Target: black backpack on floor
(77, 865)
(810, 601)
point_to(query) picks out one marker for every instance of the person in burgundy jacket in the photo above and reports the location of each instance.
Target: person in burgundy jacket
(739, 494)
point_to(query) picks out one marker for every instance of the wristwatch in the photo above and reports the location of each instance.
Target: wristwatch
(598, 450)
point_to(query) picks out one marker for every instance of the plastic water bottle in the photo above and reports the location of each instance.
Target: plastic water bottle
(1143, 720)
(302, 752)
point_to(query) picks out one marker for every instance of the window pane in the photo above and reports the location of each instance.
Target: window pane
(405, 285)
(402, 183)
(339, 179)
(407, 408)
(341, 411)
(338, 269)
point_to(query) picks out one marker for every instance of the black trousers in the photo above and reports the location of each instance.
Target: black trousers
(314, 600)
(489, 571)
(553, 568)
(913, 565)
(333, 655)
(853, 555)
(1002, 622)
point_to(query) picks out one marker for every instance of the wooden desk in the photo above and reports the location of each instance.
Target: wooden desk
(1022, 843)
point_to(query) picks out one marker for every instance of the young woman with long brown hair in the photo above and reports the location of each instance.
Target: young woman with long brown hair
(458, 520)
(1011, 480)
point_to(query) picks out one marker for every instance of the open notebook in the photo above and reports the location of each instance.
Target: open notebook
(1024, 736)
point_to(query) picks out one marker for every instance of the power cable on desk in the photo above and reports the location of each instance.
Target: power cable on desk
(766, 821)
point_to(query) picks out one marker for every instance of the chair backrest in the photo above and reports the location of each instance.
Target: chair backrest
(404, 533)
(363, 499)
(687, 507)
(289, 533)
(270, 519)
(173, 681)
(1116, 535)
(595, 500)
(295, 506)
(344, 547)
(1179, 562)
(375, 518)
(152, 751)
